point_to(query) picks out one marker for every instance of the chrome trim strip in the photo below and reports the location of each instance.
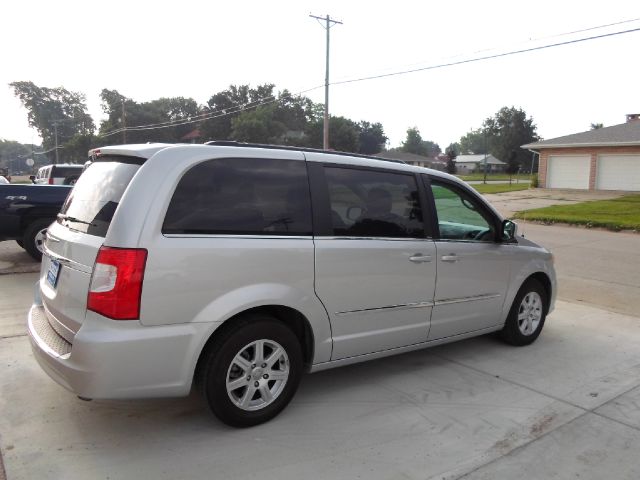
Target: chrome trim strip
(403, 306)
(66, 261)
(449, 301)
(387, 239)
(251, 237)
(51, 238)
(292, 237)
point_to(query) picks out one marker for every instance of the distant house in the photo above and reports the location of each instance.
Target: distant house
(602, 159)
(414, 159)
(475, 163)
(192, 137)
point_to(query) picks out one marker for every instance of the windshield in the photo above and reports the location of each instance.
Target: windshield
(95, 197)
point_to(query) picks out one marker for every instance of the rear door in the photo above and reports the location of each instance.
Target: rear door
(375, 266)
(73, 241)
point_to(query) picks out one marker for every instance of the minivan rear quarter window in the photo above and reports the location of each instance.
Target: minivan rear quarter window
(93, 201)
(245, 196)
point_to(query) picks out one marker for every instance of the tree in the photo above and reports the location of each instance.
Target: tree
(371, 138)
(415, 144)
(14, 154)
(506, 131)
(475, 141)
(512, 164)
(57, 110)
(343, 134)
(122, 111)
(224, 106)
(596, 126)
(258, 126)
(452, 153)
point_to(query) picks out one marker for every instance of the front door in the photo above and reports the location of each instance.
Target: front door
(376, 273)
(473, 270)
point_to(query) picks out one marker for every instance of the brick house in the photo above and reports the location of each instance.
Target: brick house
(602, 159)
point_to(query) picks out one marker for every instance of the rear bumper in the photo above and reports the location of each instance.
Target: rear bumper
(116, 359)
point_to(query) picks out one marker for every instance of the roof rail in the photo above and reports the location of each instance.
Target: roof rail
(233, 143)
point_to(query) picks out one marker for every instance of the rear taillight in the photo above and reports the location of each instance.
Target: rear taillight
(116, 283)
(50, 180)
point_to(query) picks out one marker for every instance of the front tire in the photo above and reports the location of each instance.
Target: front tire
(251, 372)
(527, 315)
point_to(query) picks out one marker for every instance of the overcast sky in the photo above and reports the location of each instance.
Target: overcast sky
(147, 50)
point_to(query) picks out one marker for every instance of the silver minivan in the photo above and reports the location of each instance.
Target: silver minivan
(235, 268)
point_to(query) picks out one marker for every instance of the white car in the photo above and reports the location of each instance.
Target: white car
(4, 181)
(59, 174)
(237, 268)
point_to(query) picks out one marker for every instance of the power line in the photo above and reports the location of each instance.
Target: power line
(271, 99)
(485, 57)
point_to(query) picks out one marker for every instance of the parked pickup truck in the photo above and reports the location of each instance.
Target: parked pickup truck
(27, 210)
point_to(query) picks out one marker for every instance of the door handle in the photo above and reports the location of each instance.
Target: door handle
(419, 258)
(450, 258)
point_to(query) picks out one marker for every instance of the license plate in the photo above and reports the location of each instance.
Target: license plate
(53, 273)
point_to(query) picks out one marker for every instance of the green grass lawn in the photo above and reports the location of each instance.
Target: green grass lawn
(618, 214)
(499, 187)
(493, 176)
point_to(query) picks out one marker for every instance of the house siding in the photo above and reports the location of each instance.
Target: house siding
(593, 152)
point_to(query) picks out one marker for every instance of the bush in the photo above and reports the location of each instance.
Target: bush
(534, 181)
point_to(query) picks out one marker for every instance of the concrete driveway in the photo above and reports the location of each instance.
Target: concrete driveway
(564, 407)
(509, 202)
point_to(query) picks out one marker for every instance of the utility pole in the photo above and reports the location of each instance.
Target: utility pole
(55, 129)
(124, 124)
(325, 137)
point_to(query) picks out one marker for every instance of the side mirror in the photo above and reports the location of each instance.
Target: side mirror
(32, 178)
(509, 230)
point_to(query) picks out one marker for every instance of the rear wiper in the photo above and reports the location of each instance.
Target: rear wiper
(62, 216)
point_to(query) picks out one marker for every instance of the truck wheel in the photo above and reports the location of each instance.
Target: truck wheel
(33, 238)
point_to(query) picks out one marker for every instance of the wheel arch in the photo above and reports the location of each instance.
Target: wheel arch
(545, 281)
(292, 318)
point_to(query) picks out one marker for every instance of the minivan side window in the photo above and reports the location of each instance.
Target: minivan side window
(242, 196)
(460, 217)
(369, 203)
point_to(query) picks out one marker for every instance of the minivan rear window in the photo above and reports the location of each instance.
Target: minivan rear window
(91, 204)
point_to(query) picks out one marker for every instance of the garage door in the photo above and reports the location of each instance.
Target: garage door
(618, 172)
(568, 171)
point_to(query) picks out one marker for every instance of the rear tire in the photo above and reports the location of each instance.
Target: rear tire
(527, 315)
(250, 372)
(33, 238)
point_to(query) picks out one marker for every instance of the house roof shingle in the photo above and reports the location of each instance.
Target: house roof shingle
(616, 135)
